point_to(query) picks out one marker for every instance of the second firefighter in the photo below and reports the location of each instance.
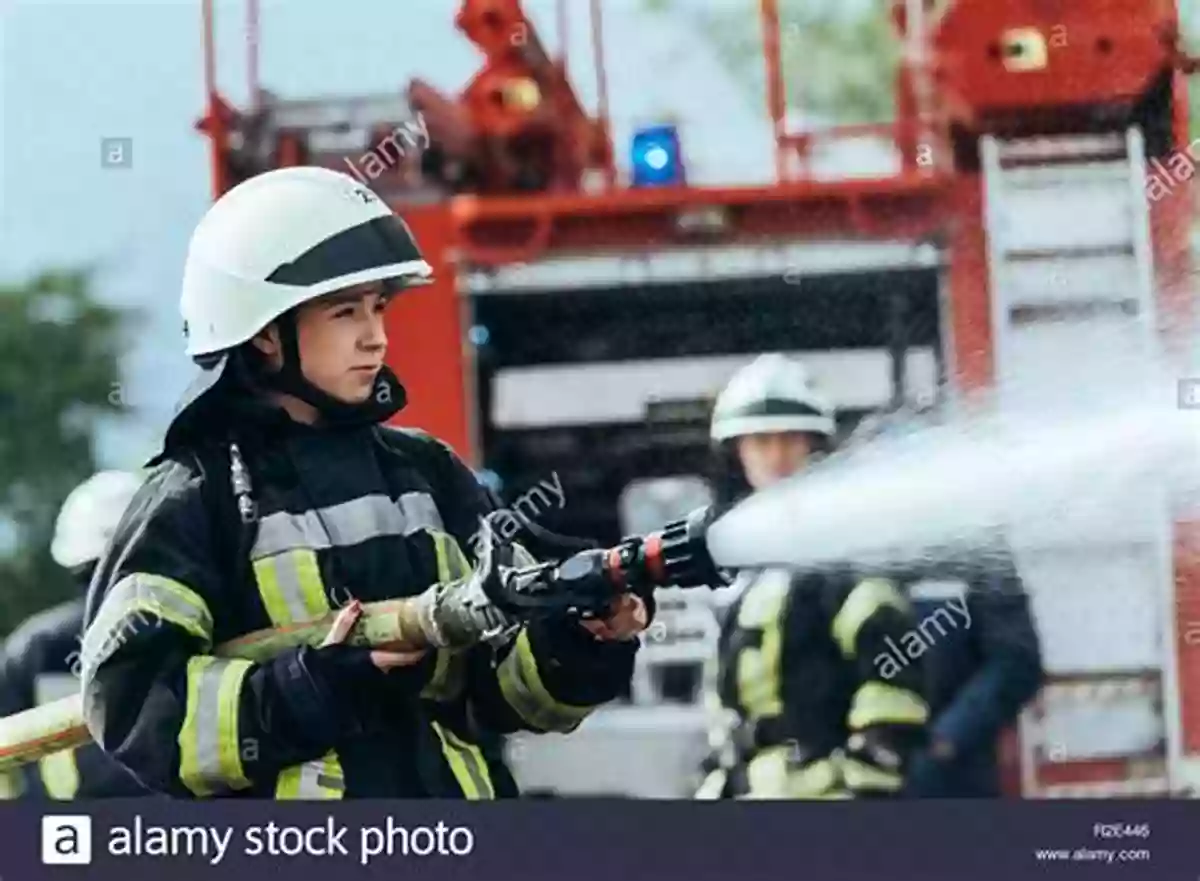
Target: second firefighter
(811, 713)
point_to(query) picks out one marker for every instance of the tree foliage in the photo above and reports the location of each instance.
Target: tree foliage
(59, 364)
(838, 58)
(1189, 15)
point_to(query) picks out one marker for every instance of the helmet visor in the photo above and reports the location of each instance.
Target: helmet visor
(382, 248)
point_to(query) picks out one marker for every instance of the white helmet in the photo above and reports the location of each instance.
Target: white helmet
(280, 239)
(89, 517)
(772, 393)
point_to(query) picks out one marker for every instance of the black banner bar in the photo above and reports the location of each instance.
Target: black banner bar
(614, 840)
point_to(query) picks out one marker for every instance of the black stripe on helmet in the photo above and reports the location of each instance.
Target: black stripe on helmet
(382, 241)
(774, 407)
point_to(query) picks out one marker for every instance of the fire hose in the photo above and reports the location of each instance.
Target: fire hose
(584, 584)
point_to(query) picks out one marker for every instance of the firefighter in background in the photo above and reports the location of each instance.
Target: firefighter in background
(813, 715)
(280, 495)
(39, 662)
(983, 657)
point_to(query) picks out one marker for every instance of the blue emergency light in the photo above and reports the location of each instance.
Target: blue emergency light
(657, 157)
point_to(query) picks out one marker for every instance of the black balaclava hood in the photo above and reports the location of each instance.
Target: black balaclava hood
(231, 392)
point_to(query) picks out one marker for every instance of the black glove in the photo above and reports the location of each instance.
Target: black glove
(336, 691)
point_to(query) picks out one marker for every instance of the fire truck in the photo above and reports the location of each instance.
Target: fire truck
(584, 314)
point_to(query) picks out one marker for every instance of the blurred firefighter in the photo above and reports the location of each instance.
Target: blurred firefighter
(280, 495)
(810, 713)
(39, 662)
(982, 651)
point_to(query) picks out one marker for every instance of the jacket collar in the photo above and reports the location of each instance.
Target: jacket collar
(222, 402)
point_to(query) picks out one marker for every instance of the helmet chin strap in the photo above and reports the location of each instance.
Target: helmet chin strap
(387, 398)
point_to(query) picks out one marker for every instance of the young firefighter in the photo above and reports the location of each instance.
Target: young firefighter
(816, 716)
(278, 496)
(39, 662)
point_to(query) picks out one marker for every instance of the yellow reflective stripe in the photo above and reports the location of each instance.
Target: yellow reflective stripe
(521, 685)
(475, 762)
(466, 762)
(442, 554)
(860, 775)
(143, 599)
(878, 703)
(818, 779)
(291, 589)
(12, 785)
(449, 676)
(209, 744)
(772, 774)
(868, 597)
(441, 671)
(290, 586)
(759, 682)
(452, 563)
(60, 775)
(320, 780)
(459, 565)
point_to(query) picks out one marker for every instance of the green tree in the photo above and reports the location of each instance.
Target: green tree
(1189, 14)
(59, 366)
(838, 57)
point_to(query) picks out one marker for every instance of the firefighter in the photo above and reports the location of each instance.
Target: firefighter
(39, 662)
(279, 496)
(983, 653)
(817, 711)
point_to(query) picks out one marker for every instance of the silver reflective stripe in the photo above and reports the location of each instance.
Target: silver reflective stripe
(142, 599)
(209, 747)
(349, 523)
(208, 733)
(288, 580)
(929, 590)
(316, 781)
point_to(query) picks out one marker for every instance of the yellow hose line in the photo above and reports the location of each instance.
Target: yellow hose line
(53, 727)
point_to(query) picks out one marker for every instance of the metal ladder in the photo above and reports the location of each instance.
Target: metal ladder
(1070, 260)
(1068, 233)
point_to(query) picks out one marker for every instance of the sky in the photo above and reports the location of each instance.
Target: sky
(73, 73)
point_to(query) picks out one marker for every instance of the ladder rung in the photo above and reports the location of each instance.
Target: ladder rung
(1072, 149)
(1107, 789)
(1046, 176)
(1031, 313)
(1087, 252)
